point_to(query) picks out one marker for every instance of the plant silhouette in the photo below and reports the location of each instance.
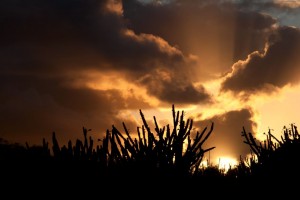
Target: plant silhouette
(163, 154)
(165, 151)
(273, 158)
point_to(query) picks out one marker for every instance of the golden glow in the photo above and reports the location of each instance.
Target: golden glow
(115, 6)
(186, 50)
(204, 163)
(268, 111)
(114, 81)
(290, 4)
(224, 163)
(224, 102)
(277, 111)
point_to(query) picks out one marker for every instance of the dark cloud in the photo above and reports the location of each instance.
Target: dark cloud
(277, 67)
(226, 136)
(172, 87)
(30, 112)
(286, 12)
(218, 33)
(55, 37)
(45, 48)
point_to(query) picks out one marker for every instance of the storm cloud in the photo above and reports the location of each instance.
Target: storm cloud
(278, 66)
(219, 34)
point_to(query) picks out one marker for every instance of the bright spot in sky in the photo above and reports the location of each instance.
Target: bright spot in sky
(226, 162)
(204, 163)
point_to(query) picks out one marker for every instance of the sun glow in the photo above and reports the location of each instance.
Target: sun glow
(223, 101)
(274, 113)
(225, 163)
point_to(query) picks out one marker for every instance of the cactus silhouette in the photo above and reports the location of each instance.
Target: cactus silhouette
(273, 157)
(162, 153)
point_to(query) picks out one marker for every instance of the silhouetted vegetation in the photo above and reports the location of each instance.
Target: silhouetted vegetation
(273, 157)
(163, 154)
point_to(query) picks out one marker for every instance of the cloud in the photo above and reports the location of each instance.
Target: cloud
(226, 136)
(218, 33)
(48, 51)
(274, 68)
(68, 64)
(285, 12)
(32, 109)
(54, 37)
(171, 86)
(287, 4)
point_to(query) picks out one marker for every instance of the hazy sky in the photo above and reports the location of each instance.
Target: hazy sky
(94, 63)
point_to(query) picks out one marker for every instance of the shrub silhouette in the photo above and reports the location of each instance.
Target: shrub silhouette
(165, 152)
(273, 158)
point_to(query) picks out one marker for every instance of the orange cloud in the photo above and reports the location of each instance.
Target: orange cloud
(288, 4)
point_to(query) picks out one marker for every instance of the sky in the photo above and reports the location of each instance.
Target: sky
(95, 63)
